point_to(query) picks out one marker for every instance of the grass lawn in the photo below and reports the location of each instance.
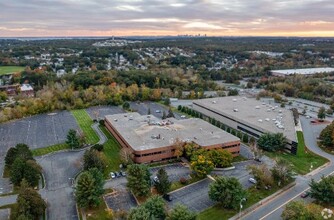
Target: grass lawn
(218, 213)
(10, 69)
(238, 159)
(50, 149)
(85, 122)
(303, 160)
(99, 213)
(111, 150)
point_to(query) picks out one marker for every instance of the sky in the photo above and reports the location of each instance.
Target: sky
(40, 18)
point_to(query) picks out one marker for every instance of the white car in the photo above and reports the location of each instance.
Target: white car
(252, 180)
(157, 111)
(183, 116)
(112, 175)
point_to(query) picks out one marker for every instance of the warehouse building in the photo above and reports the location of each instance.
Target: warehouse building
(250, 116)
(152, 139)
(307, 71)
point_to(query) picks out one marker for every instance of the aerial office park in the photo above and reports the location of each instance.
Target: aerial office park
(152, 139)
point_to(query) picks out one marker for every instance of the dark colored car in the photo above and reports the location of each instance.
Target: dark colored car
(305, 194)
(167, 197)
(117, 174)
(123, 173)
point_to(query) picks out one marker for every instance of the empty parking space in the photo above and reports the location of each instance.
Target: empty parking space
(101, 111)
(120, 199)
(194, 196)
(37, 131)
(174, 171)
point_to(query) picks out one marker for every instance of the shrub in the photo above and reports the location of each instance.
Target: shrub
(183, 180)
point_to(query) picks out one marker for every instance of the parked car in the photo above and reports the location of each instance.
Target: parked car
(117, 174)
(156, 179)
(112, 175)
(305, 194)
(183, 116)
(167, 197)
(252, 180)
(123, 173)
(157, 111)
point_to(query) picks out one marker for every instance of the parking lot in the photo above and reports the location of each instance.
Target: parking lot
(102, 111)
(59, 170)
(155, 108)
(174, 171)
(37, 131)
(194, 196)
(121, 199)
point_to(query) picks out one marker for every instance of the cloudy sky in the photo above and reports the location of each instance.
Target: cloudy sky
(166, 17)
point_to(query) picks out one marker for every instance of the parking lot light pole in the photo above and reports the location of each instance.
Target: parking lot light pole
(242, 200)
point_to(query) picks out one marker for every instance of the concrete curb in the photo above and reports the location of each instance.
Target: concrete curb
(265, 200)
(188, 185)
(224, 169)
(318, 169)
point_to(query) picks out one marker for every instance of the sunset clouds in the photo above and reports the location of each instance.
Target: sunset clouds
(166, 17)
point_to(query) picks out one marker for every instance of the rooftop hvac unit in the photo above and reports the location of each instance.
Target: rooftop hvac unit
(234, 100)
(267, 119)
(260, 120)
(214, 102)
(257, 107)
(235, 110)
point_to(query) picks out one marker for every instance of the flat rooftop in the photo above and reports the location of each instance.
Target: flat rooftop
(265, 117)
(308, 71)
(144, 132)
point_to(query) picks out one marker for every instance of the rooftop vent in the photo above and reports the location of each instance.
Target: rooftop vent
(115, 119)
(260, 120)
(257, 107)
(234, 100)
(235, 110)
(214, 102)
(267, 119)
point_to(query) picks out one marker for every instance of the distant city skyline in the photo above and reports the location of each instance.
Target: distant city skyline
(46, 18)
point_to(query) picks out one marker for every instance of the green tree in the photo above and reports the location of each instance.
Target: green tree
(163, 184)
(322, 114)
(28, 170)
(126, 105)
(220, 158)
(261, 174)
(30, 204)
(297, 210)
(272, 142)
(139, 180)
(164, 116)
(19, 151)
(156, 207)
(202, 166)
(324, 190)
(139, 213)
(170, 113)
(282, 172)
(10, 156)
(72, 139)
(227, 191)
(181, 212)
(167, 101)
(93, 158)
(89, 188)
(326, 136)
